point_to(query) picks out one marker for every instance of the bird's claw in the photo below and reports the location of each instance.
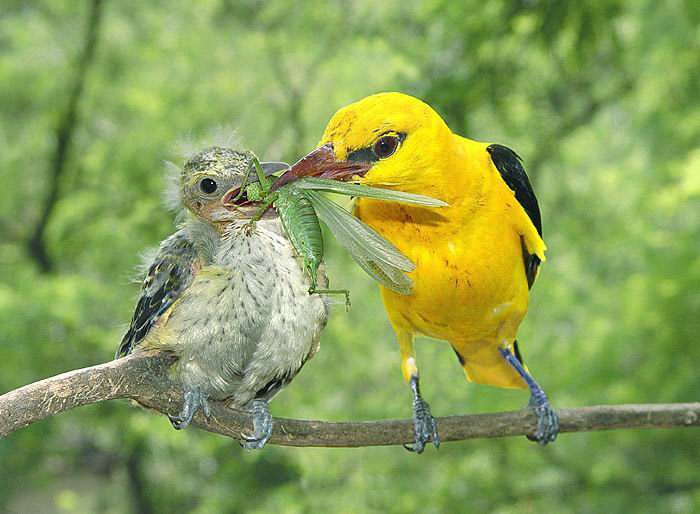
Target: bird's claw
(262, 426)
(425, 427)
(178, 422)
(194, 400)
(547, 424)
(253, 443)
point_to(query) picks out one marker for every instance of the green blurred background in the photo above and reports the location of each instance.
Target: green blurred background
(599, 98)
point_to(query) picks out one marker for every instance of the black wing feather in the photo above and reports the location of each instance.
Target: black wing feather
(509, 165)
(169, 275)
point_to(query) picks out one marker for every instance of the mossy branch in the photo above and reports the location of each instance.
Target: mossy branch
(142, 377)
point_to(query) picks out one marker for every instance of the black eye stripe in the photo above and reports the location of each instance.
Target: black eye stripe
(363, 155)
(366, 154)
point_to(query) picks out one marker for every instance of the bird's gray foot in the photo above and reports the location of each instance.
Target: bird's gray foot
(424, 424)
(262, 425)
(194, 400)
(547, 421)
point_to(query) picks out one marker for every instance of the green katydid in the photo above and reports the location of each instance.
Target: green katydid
(301, 206)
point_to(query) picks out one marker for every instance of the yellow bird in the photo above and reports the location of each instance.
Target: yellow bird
(475, 260)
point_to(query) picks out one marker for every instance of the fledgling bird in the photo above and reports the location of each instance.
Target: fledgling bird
(232, 303)
(475, 260)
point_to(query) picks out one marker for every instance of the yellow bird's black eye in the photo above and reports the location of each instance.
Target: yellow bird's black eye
(208, 185)
(385, 146)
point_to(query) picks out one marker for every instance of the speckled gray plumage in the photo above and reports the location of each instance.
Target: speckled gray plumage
(247, 318)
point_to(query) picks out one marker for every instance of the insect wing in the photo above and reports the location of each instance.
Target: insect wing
(374, 254)
(361, 235)
(345, 188)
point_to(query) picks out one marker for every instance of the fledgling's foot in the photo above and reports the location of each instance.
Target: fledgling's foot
(262, 426)
(547, 423)
(193, 401)
(425, 426)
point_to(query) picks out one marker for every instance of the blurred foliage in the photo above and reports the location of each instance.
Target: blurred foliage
(600, 99)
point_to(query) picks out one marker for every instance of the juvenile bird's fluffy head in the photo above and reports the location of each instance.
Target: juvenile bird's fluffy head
(207, 176)
(406, 141)
(189, 149)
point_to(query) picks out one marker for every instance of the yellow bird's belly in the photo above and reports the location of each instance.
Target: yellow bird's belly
(470, 284)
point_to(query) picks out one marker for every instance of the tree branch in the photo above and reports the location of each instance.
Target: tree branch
(143, 377)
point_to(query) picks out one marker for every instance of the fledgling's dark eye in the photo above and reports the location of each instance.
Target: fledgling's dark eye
(208, 185)
(385, 146)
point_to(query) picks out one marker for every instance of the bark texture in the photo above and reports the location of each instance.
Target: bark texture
(143, 377)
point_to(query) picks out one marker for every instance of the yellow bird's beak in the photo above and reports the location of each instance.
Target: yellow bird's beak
(322, 163)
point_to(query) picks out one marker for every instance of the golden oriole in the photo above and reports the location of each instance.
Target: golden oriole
(475, 260)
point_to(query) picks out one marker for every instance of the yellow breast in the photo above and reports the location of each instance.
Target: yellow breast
(469, 278)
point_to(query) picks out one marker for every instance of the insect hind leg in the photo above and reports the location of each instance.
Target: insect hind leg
(345, 292)
(314, 290)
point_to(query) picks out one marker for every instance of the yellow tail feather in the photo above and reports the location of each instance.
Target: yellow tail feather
(483, 364)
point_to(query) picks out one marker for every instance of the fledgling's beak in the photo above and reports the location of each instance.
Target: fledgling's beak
(321, 163)
(230, 200)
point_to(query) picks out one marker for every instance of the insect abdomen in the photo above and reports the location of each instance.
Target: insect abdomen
(302, 226)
